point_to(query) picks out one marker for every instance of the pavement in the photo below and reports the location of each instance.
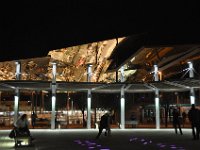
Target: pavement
(84, 139)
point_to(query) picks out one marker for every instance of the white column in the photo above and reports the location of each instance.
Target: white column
(157, 108)
(157, 100)
(191, 70)
(122, 105)
(191, 75)
(89, 118)
(16, 97)
(89, 109)
(192, 96)
(156, 73)
(89, 72)
(53, 98)
(122, 101)
(16, 104)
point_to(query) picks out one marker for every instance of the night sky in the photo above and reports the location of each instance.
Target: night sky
(32, 28)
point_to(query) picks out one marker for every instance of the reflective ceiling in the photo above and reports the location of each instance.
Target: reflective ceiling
(72, 63)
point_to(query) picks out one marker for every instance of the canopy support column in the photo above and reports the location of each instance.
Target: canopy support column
(122, 105)
(191, 75)
(53, 98)
(157, 100)
(89, 109)
(157, 107)
(122, 101)
(89, 75)
(16, 97)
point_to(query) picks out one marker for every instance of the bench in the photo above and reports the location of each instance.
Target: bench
(133, 123)
(21, 139)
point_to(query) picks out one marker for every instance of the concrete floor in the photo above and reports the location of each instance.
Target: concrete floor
(84, 139)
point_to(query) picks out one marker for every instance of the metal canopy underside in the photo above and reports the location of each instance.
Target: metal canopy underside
(165, 86)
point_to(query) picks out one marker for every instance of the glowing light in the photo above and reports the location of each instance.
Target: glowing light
(89, 109)
(192, 96)
(122, 113)
(192, 100)
(53, 102)
(132, 59)
(16, 100)
(157, 113)
(155, 73)
(122, 102)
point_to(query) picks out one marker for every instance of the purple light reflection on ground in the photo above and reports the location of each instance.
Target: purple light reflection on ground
(90, 144)
(142, 140)
(145, 143)
(133, 139)
(91, 147)
(160, 145)
(78, 141)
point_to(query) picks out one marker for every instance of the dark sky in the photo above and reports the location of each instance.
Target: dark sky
(32, 28)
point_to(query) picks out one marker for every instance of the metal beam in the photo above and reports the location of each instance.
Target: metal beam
(189, 53)
(150, 86)
(8, 86)
(127, 87)
(100, 87)
(177, 85)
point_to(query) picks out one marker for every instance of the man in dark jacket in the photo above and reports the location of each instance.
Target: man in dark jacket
(105, 124)
(194, 115)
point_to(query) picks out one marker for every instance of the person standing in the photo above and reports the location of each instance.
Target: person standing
(176, 121)
(193, 116)
(33, 119)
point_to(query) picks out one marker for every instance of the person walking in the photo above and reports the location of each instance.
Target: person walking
(176, 121)
(193, 116)
(105, 124)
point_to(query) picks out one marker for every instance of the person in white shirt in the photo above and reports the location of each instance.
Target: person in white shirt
(22, 124)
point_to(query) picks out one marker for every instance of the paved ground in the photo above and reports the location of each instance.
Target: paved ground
(84, 139)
